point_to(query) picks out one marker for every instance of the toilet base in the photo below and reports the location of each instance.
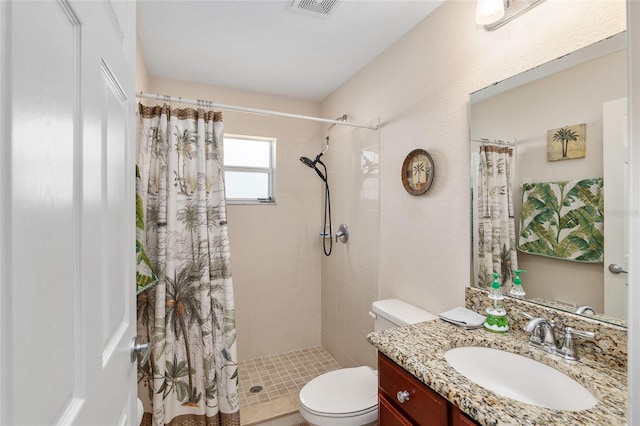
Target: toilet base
(367, 419)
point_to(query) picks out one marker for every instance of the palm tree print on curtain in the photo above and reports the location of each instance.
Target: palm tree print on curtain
(496, 223)
(192, 374)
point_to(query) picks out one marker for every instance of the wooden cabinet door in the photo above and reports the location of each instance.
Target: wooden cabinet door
(423, 406)
(388, 415)
(458, 418)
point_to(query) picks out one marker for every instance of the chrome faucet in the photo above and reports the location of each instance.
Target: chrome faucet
(542, 335)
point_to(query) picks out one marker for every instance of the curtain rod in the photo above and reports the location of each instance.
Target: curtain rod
(494, 142)
(210, 104)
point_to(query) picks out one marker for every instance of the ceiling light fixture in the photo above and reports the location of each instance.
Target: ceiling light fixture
(495, 13)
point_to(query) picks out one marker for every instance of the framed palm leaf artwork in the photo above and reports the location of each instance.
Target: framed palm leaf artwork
(417, 172)
(566, 143)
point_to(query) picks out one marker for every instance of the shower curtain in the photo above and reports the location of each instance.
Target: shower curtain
(496, 223)
(188, 314)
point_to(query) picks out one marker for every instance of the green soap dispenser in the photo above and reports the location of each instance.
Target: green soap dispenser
(496, 319)
(516, 289)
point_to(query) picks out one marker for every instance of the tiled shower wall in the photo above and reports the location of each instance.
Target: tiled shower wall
(275, 251)
(275, 248)
(350, 274)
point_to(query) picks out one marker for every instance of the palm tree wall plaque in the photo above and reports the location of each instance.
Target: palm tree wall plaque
(564, 136)
(568, 137)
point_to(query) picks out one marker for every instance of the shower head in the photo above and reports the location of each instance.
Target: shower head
(306, 161)
(314, 165)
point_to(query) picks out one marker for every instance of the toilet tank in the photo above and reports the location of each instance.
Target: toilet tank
(395, 312)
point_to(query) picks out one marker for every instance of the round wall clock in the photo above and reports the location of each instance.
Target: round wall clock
(417, 172)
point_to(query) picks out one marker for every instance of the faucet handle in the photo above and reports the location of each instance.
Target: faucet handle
(567, 348)
(588, 334)
(526, 315)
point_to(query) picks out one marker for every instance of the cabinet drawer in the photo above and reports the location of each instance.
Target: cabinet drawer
(458, 418)
(424, 406)
(388, 415)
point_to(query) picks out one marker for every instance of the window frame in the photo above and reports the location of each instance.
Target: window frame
(270, 171)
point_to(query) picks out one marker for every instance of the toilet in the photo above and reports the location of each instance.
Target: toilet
(349, 396)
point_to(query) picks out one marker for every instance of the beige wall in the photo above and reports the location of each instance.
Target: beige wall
(419, 88)
(414, 248)
(524, 114)
(142, 75)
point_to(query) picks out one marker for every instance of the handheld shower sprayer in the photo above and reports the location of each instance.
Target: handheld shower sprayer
(314, 165)
(327, 199)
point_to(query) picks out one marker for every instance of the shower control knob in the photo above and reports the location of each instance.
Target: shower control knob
(403, 396)
(343, 233)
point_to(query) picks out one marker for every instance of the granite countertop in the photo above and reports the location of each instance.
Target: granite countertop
(420, 348)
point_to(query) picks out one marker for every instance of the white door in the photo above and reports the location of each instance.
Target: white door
(616, 204)
(67, 298)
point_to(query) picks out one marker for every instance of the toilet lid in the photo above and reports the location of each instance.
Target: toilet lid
(343, 391)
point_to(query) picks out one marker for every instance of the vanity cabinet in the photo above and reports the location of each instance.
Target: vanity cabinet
(405, 401)
(458, 418)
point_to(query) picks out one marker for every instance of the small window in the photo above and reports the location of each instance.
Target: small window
(249, 166)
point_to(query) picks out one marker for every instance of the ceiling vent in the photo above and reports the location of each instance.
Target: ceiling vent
(315, 7)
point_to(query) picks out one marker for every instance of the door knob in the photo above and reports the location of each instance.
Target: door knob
(614, 268)
(137, 348)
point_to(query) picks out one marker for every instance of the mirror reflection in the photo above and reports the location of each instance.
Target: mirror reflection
(548, 161)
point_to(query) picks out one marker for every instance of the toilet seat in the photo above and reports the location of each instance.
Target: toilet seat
(372, 410)
(347, 392)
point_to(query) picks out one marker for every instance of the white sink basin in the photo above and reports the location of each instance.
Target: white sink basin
(520, 378)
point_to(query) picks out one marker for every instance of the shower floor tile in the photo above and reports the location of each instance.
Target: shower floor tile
(281, 375)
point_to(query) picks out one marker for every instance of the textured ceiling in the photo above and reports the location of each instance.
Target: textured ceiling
(267, 46)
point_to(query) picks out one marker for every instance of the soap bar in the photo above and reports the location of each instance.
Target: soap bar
(463, 317)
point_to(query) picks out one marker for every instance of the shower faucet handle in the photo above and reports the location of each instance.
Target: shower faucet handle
(343, 233)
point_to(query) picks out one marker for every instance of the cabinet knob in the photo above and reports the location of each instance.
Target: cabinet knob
(403, 396)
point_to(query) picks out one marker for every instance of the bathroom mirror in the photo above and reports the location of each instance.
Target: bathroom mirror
(517, 113)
